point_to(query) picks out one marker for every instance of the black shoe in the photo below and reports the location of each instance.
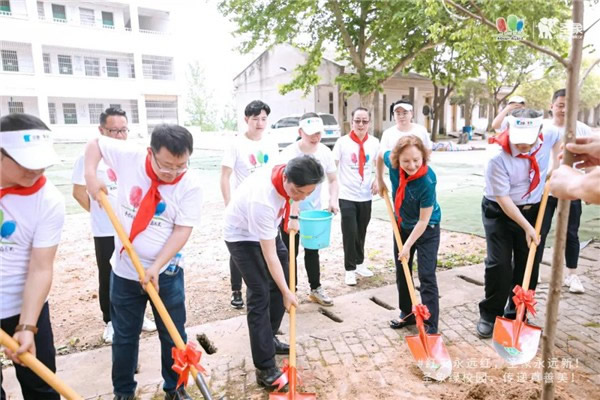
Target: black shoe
(132, 397)
(485, 329)
(267, 377)
(281, 348)
(179, 394)
(398, 323)
(236, 300)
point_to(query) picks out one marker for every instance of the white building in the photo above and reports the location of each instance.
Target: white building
(67, 61)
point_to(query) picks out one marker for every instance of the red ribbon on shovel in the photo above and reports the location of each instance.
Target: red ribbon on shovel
(421, 313)
(525, 297)
(285, 376)
(184, 359)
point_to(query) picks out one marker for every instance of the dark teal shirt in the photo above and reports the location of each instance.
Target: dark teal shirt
(419, 194)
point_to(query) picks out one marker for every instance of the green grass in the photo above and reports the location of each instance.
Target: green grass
(592, 325)
(452, 260)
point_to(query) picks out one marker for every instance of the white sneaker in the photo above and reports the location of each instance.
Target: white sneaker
(319, 295)
(576, 286)
(350, 279)
(108, 334)
(148, 325)
(363, 271)
(567, 281)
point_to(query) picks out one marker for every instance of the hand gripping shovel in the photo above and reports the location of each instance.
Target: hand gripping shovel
(515, 340)
(40, 369)
(187, 358)
(428, 349)
(290, 374)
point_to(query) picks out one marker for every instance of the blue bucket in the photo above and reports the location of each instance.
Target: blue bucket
(315, 229)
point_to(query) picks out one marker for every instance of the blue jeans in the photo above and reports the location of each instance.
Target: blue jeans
(127, 304)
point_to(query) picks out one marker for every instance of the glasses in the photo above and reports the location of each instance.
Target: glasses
(361, 121)
(177, 171)
(122, 132)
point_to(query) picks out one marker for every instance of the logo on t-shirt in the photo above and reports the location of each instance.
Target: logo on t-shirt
(135, 197)
(7, 228)
(160, 208)
(354, 158)
(259, 159)
(112, 176)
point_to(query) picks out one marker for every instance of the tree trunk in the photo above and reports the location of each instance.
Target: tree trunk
(434, 107)
(549, 331)
(377, 120)
(441, 111)
(468, 111)
(491, 116)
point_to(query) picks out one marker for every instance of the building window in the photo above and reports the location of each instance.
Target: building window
(10, 61)
(5, 7)
(95, 111)
(70, 113)
(135, 115)
(116, 106)
(65, 66)
(41, 11)
(47, 63)
(107, 20)
(15, 107)
(131, 70)
(330, 102)
(156, 67)
(52, 112)
(59, 13)
(92, 66)
(87, 17)
(112, 67)
(384, 110)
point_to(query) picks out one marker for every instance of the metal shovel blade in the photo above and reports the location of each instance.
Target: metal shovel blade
(516, 341)
(292, 394)
(435, 364)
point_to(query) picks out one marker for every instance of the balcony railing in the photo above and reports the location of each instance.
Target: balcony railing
(151, 32)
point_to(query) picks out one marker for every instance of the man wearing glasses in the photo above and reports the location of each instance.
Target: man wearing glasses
(113, 124)
(158, 203)
(403, 114)
(355, 155)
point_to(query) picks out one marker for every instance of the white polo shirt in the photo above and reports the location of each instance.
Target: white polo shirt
(245, 156)
(180, 204)
(101, 226)
(391, 135)
(26, 222)
(255, 210)
(352, 186)
(325, 157)
(507, 175)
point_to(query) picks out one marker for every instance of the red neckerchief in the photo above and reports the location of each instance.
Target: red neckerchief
(277, 181)
(24, 191)
(403, 181)
(502, 140)
(362, 158)
(149, 202)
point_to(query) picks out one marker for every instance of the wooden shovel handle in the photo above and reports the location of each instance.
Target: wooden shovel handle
(40, 369)
(533, 246)
(407, 276)
(292, 251)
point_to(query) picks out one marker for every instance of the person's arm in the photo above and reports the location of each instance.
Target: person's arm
(333, 192)
(174, 243)
(379, 174)
(226, 184)
(569, 184)
(93, 155)
(421, 225)
(497, 122)
(511, 210)
(269, 251)
(80, 194)
(586, 151)
(37, 287)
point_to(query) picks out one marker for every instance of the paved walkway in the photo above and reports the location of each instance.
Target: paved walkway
(361, 357)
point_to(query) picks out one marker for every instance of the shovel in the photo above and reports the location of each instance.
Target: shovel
(151, 290)
(515, 340)
(428, 349)
(290, 374)
(40, 369)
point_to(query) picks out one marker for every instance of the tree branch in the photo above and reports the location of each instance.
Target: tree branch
(339, 21)
(405, 60)
(587, 72)
(490, 24)
(589, 27)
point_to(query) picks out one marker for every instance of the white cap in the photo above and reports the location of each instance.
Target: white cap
(312, 125)
(406, 106)
(516, 99)
(31, 149)
(524, 130)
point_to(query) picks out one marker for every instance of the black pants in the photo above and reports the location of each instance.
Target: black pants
(506, 259)
(104, 246)
(32, 386)
(235, 276)
(264, 302)
(572, 247)
(355, 220)
(427, 249)
(311, 260)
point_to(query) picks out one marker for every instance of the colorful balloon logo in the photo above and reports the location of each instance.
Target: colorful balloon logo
(501, 24)
(511, 23)
(252, 159)
(6, 228)
(259, 158)
(111, 175)
(160, 208)
(135, 196)
(367, 158)
(353, 158)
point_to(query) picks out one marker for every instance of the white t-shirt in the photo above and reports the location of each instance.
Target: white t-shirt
(101, 226)
(392, 134)
(244, 156)
(26, 222)
(325, 157)
(180, 204)
(352, 186)
(255, 210)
